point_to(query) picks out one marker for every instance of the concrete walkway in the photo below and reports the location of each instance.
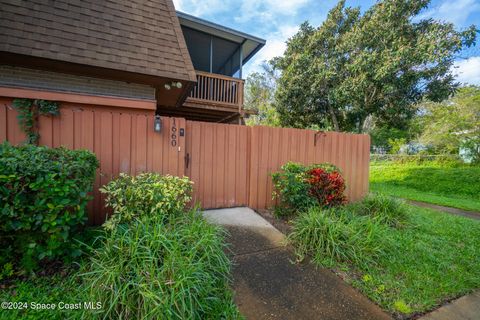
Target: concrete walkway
(455, 211)
(464, 308)
(268, 285)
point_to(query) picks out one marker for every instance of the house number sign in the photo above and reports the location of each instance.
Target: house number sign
(173, 141)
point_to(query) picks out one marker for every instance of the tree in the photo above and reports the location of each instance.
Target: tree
(386, 139)
(377, 65)
(259, 91)
(311, 70)
(454, 124)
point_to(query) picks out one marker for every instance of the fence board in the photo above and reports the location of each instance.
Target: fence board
(350, 152)
(218, 163)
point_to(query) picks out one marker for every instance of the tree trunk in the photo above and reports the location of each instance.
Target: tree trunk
(361, 124)
(334, 118)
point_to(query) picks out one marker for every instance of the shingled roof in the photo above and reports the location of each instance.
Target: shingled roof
(139, 36)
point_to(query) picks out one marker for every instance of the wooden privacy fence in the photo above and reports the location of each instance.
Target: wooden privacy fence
(230, 165)
(122, 139)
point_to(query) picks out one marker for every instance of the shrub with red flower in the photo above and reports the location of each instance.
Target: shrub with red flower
(326, 186)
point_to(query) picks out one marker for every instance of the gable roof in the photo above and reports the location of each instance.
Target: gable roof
(138, 36)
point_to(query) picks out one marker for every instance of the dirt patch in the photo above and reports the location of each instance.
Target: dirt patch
(283, 226)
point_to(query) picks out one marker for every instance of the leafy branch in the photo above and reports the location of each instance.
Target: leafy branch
(28, 112)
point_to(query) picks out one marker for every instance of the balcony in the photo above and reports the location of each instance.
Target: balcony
(218, 54)
(216, 92)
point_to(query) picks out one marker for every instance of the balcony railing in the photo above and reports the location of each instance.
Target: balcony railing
(217, 91)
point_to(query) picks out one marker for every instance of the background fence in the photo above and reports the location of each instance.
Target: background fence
(230, 165)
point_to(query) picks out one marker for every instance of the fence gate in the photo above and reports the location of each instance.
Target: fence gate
(216, 160)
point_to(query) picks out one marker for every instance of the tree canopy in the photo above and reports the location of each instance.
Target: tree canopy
(357, 69)
(453, 124)
(259, 92)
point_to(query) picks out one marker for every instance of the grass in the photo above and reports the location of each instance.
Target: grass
(442, 184)
(147, 269)
(162, 262)
(152, 270)
(45, 290)
(423, 265)
(407, 269)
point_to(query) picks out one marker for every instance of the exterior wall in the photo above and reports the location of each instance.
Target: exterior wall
(38, 79)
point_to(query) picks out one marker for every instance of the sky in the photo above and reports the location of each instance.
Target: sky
(277, 20)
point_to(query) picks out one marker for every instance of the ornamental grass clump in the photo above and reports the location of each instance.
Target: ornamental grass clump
(387, 210)
(152, 270)
(157, 259)
(332, 235)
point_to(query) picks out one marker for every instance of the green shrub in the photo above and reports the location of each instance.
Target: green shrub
(387, 210)
(150, 269)
(291, 190)
(145, 194)
(43, 193)
(298, 187)
(443, 160)
(333, 234)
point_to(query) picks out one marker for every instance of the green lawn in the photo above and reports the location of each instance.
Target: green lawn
(46, 291)
(407, 268)
(433, 260)
(457, 187)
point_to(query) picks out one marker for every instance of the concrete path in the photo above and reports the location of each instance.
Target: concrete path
(455, 211)
(268, 285)
(464, 308)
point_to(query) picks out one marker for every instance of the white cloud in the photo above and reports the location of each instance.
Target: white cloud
(201, 7)
(468, 70)
(456, 12)
(274, 47)
(178, 4)
(268, 10)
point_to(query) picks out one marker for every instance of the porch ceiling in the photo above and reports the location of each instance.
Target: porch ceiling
(226, 41)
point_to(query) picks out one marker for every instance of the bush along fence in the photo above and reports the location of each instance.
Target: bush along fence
(229, 165)
(43, 196)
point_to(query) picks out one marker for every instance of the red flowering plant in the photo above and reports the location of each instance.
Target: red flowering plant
(298, 187)
(327, 185)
